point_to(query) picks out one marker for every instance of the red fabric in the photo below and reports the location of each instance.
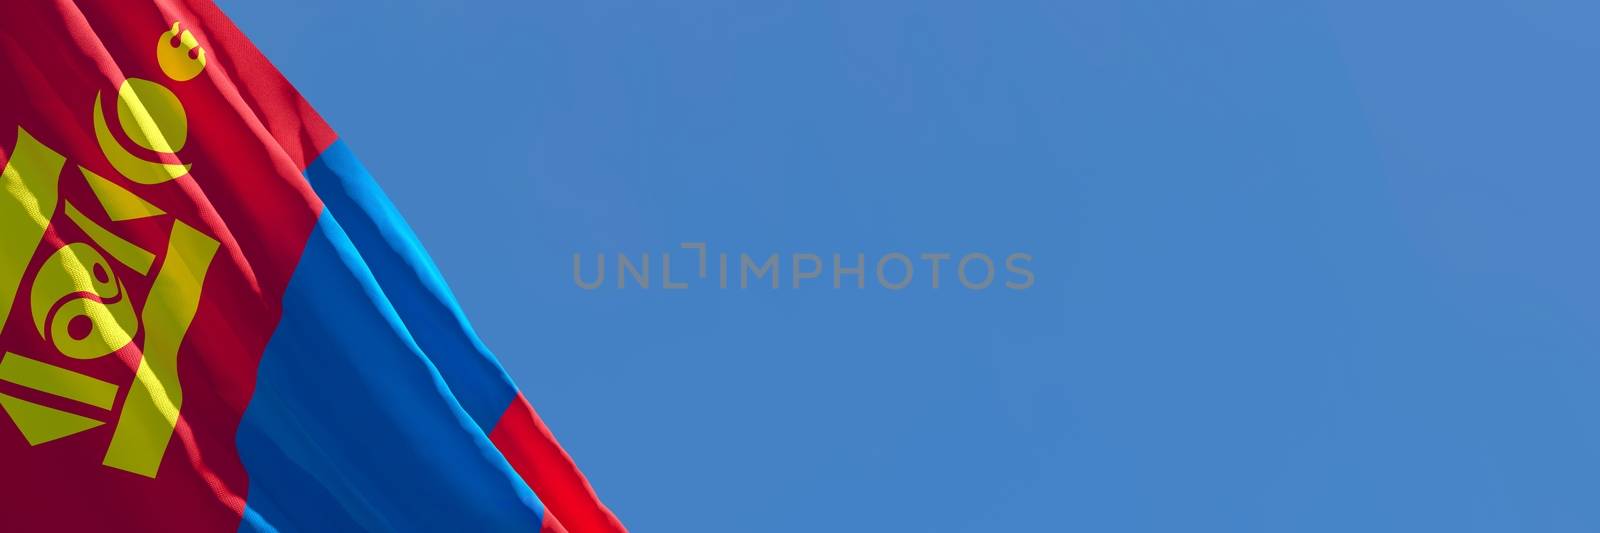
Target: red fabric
(539, 459)
(551, 524)
(251, 136)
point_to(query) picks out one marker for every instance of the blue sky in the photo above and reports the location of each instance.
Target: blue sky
(1301, 265)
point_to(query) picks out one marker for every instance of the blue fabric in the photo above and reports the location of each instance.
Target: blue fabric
(412, 283)
(352, 427)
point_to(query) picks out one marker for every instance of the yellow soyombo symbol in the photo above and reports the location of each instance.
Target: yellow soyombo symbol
(180, 54)
(102, 327)
(153, 118)
(77, 298)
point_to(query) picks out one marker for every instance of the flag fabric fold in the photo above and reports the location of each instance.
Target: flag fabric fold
(211, 317)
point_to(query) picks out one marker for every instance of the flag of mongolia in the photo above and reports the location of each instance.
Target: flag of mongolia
(211, 318)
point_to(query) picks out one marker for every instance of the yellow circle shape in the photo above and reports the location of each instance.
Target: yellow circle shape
(103, 327)
(152, 116)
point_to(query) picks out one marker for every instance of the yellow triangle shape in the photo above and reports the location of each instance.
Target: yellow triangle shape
(40, 424)
(120, 203)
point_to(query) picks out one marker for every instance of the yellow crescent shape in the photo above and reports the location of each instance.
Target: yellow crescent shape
(138, 170)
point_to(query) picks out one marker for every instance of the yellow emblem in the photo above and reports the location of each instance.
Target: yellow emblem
(77, 298)
(180, 54)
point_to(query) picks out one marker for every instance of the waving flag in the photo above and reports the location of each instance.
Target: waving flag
(211, 318)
